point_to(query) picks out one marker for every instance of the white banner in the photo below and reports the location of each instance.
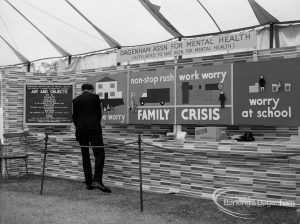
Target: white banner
(225, 42)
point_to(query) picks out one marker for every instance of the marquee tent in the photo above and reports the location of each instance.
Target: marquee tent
(31, 30)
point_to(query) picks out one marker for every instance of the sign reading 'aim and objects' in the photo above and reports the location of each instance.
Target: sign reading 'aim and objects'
(48, 104)
(241, 40)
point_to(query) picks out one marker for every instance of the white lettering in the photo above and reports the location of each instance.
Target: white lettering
(265, 102)
(118, 117)
(201, 114)
(269, 113)
(153, 114)
(193, 76)
(214, 75)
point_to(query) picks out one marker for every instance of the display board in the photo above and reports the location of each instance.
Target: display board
(203, 94)
(151, 96)
(267, 92)
(112, 90)
(227, 94)
(48, 103)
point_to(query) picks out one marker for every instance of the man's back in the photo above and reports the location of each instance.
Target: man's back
(87, 113)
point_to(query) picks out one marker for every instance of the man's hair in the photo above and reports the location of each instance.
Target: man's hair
(87, 86)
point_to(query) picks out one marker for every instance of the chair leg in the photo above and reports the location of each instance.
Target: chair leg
(6, 170)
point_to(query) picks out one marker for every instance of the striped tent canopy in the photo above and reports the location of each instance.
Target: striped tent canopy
(31, 30)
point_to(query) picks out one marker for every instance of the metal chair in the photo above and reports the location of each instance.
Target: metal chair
(14, 148)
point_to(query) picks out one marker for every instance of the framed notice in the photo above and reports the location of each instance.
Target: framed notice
(48, 103)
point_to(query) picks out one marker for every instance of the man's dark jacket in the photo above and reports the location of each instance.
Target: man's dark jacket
(87, 114)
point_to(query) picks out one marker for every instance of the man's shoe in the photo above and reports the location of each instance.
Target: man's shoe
(101, 187)
(89, 187)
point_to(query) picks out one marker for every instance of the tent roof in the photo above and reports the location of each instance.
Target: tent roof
(127, 22)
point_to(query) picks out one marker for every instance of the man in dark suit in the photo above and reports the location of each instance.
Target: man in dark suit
(87, 116)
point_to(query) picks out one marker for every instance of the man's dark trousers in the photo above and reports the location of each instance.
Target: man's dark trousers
(99, 154)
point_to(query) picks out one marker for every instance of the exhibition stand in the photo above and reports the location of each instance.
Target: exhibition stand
(198, 157)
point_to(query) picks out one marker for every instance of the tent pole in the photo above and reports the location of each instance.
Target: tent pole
(28, 66)
(69, 59)
(271, 35)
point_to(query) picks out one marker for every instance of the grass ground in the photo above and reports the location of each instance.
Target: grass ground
(67, 201)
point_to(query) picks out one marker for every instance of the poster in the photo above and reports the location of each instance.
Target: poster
(203, 94)
(267, 92)
(151, 96)
(48, 103)
(112, 91)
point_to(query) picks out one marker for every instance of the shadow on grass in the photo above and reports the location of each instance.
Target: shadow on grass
(67, 201)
